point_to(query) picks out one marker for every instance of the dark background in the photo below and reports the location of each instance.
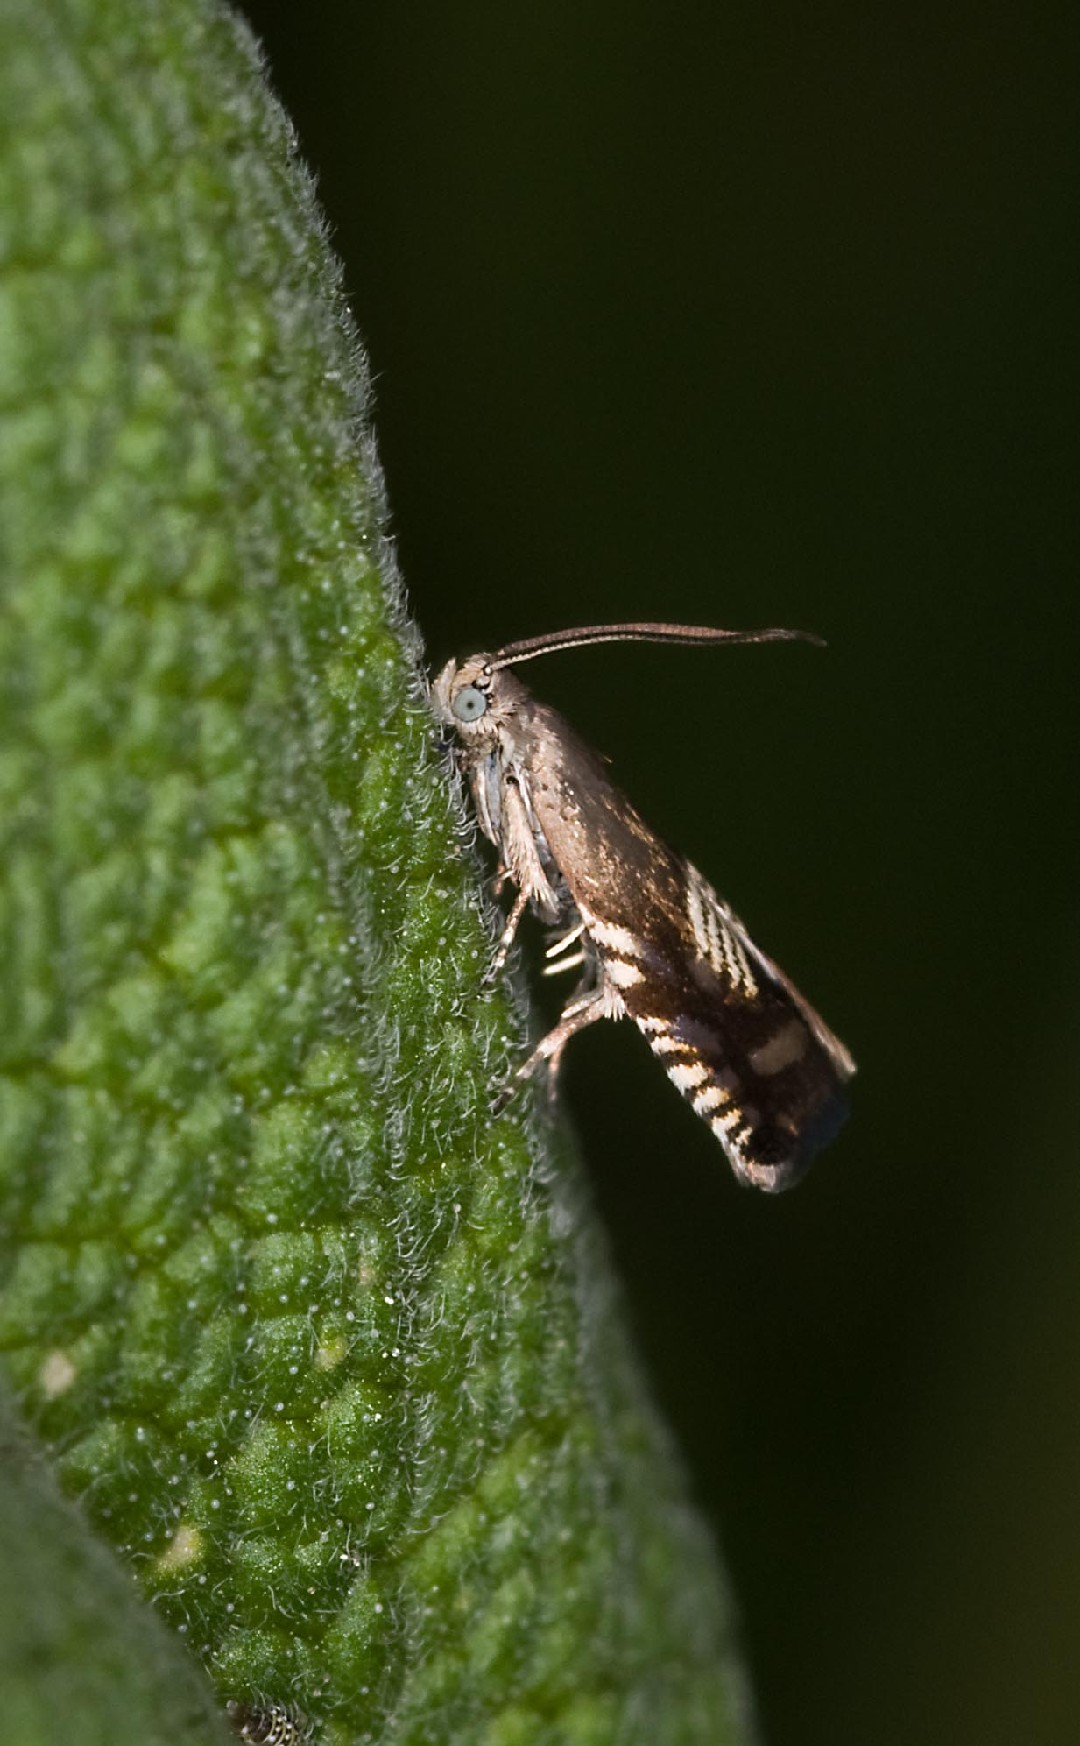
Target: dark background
(768, 316)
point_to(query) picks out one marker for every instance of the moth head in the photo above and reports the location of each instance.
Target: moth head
(474, 698)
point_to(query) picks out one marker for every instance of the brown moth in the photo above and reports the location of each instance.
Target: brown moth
(652, 938)
(268, 1724)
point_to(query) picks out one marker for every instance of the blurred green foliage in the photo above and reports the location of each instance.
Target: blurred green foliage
(79, 1652)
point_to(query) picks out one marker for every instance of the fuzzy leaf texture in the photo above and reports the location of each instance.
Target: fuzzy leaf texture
(81, 1657)
(328, 1354)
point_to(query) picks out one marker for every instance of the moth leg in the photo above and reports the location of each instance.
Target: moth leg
(562, 964)
(502, 949)
(556, 962)
(549, 1051)
(565, 940)
(597, 1003)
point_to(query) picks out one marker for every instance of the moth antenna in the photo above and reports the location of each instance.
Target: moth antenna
(529, 647)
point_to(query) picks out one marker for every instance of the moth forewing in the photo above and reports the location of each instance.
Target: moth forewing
(657, 944)
(750, 1055)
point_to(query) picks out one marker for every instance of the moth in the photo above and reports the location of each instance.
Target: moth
(267, 1725)
(651, 937)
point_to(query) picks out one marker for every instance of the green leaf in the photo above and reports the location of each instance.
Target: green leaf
(329, 1354)
(80, 1655)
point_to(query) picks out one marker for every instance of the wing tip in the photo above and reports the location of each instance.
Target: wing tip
(781, 1159)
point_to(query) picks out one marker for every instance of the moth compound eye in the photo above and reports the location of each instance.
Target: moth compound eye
(469, 704)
